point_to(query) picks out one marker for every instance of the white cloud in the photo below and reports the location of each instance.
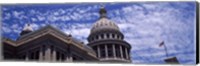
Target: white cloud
(7, 16)
(79, 31)
(35, 26)
(17, 14)
(34, 19)
(41, 18)
(6, 30)
(146, 26)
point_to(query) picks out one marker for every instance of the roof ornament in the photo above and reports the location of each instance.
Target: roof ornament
(102, 11)
(28, 27)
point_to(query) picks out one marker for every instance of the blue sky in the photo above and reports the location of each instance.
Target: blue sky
(144, 25)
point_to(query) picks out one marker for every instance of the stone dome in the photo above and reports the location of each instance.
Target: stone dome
(103, 22)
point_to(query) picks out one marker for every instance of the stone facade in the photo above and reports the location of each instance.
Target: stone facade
(47, 44)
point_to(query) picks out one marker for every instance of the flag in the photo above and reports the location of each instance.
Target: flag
(161, 44)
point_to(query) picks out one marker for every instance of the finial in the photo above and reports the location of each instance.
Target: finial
(102, 11)
(28, 24)
(101, 5)
(28, 27)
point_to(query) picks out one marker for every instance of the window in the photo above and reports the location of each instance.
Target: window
(95, 49)
(102, 36)
(110, 53)
(102, 51)
(117, 51)
(118, 37)
(31, 56)
(113, 35)
(97, 37)
(92, 39)
(43, 49)
(77, 58)
(107, 35)
(124, 53)
(62, 57)
(57, 56)
(36, 55)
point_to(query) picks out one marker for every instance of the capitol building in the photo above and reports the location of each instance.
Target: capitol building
(105, 44)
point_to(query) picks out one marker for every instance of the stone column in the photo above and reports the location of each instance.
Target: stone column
(115, 36)
(98, 51)
(106, 50)
(27, 56)
(121, 52)
(114, 51)
(105, 37)
(110, 36)
(48, 54)
(70, 58)
(66, 58)
(120, 38)
(100, 37)
(54, 55)
(126, 50)
(40, 54)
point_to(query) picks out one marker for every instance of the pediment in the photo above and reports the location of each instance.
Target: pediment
(9, 41)
(48, 30)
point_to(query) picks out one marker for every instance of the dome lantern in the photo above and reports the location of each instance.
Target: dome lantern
(102, 12)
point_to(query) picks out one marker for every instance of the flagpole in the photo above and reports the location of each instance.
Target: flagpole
(166, 50)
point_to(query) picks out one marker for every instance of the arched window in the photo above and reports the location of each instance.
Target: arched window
(97, 37)
(102, 36)
(118, 37)
(92, 39)
(107, 35)
(113, 35)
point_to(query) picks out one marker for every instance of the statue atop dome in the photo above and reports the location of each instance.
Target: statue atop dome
(102, 12)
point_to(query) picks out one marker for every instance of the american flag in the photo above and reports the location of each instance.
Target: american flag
(161, 44)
